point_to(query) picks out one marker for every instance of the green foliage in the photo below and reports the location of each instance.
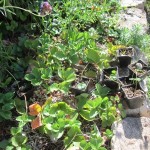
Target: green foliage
(100, 90)
(135, 36)
(56, 118)
(6, 104)
(19, 138)
(113, 75)
(53, 45)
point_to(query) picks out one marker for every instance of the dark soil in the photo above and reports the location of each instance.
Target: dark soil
(138, 68)
(132, 92)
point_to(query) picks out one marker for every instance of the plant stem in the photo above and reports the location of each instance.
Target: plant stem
(29, 11)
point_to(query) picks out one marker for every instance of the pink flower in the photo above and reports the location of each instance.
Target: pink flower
(46, 8)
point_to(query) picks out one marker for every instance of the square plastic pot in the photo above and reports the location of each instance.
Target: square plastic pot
(133, 100)
(125, 56)
(138, 68)
(109, 82)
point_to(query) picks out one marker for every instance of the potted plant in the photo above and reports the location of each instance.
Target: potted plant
(125, 56)
(109, 77)
(134, 95)
(139, 68)
(83, 85)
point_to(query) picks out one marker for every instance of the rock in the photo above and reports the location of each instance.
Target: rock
(133, 3)
(131, 134)
(133, 16)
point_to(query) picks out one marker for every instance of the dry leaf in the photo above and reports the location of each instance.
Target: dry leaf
(34, 109)
(36, 122)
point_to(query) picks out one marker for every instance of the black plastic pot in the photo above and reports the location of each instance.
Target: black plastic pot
(123, 72)
(90, 85)
(125, 56)
(125, 81)
(133, 100)
(139, 68)
(106, 79)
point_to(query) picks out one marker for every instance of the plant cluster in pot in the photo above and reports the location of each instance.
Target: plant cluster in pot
(125, 56)
(139, 68)
(109, 77)
(127, 78)
(82, 85)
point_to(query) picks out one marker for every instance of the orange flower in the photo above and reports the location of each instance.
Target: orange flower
(36, 122)
(34, 109)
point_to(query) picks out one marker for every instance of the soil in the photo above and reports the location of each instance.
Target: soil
(138, 69)
(131, 92)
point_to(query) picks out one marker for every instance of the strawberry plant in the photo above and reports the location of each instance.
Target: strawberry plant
(58, 96)
(6, 104)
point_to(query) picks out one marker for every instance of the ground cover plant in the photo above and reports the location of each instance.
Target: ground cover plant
(51, 58)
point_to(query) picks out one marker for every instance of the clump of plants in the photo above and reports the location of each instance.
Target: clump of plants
(48, 51)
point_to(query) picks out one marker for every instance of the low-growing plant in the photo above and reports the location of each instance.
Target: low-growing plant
(6, 105)
(135, 36)
(19, 138)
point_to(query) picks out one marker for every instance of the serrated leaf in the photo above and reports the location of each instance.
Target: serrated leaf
(20, 106)
(7, 107)
(3, 144)
(19, 139)
(16, 130)
(93, 55)
(6, 114)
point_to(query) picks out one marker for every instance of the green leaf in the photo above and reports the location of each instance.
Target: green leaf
(24, 118)
(60, 55)
(81, 100)
(46, 73)
(47, 120)
(3, 144)
(6, 114)
(8, 97)
(86, 115)
(73, 135)
(108, 133)
(34, 77)
(67, 75)
(81, 86)
(16, 130)
(56, 135)
(101, 90)
(53, 87)
(20, 106)
(93, 55)
(93, 113)
(10, 148)
(7, 107)
(93, 104)
(19, 139)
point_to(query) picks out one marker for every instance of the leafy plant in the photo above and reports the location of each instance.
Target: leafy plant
(6, 105)
(135, 36)
(56, 118)
(19, 137)
(113, 75)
